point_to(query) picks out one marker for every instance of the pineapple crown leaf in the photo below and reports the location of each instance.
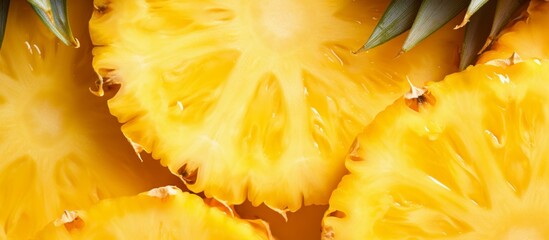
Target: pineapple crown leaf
(504, 10)
(397, 19)
(484, 27)
(476, 33)
(474, 6)
(424, 17)
(4, 7)
(432, 15)
(53, 13)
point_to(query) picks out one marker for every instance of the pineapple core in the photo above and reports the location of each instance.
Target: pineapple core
(45, 120)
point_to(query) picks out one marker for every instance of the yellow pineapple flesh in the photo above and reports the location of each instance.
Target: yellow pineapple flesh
(254, 100)
(526, 37)
(161, 213)
(465, 159)
(60, 148)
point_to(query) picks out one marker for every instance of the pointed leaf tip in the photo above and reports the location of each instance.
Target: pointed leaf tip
(398, 17)
(53, 13)
(504, 10)
(476, 34)
(503, 13)
(432, 15)
(463, 22)
(473, 7)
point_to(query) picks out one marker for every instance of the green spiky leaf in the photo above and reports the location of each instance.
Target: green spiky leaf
(432, 15)
(476, 33)
(4, 5)
(54, 14)
(504, 10)
(397, 19)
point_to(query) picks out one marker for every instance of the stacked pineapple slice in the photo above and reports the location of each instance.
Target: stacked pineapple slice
(60, 148)
(466, 158)
(471, 162)
(161, 213)
(256, 100)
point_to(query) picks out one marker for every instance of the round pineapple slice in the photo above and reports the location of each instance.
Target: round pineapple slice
(466, 159)
(162, 213)
(255, 100)
(525, 37)
(59, 146)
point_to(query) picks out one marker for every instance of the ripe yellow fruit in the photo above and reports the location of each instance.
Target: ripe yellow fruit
(255, 100)
(469, 162)
(162, 213)
(525, 37)
(59, 146)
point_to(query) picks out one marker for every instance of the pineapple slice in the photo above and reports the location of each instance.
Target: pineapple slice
(162, 213)
(525, 37)
(467, 159)
(254, 100)
(60, 147)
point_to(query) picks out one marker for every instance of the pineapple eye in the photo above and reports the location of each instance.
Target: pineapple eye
(102, 8)
(418, 98)
(70, 220)
(189, 176)
(420, 102)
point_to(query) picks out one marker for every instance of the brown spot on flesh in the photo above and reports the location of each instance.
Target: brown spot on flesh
(188, 176)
